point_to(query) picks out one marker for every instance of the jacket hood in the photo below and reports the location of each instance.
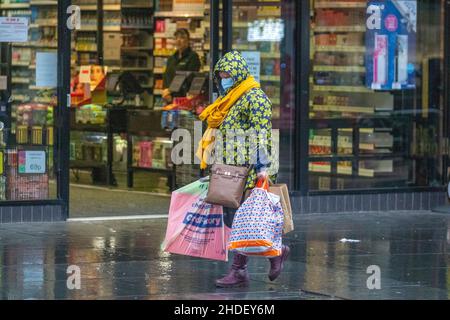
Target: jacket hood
(235, 65)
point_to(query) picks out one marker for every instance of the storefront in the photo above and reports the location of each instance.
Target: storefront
(34, 86)
(359, 93)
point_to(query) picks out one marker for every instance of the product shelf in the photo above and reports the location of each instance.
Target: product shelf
(361, 130)
(350, 109)
(270, 55)
(170, 14)
(240, 24)
(245, 47)
(86, 50)
(41, 88)
(87, 28)
(343, 142)
(20, 64)
(359, 49)
(136, 27)
(369, 173)
(333, 29)
(7, 6)
(42, 25)
(23, 98)
(35, 45)
(158, 70)
(160, 35)
(136, 48)
(350, 89)
(18, 80)
(362, 146)
(111, 7)
(88, 7)
(339, 4)
(106, 7)
(163, 55)
(43, 100)
(345, 170)
(112, 28)
(136, 6)
(43, 3)
(344, 69)
(275, 78)
(326, 168)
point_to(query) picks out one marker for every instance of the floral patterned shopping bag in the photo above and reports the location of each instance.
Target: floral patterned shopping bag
(258, 224)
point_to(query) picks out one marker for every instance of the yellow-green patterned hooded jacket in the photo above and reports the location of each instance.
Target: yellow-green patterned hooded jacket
(251, 113)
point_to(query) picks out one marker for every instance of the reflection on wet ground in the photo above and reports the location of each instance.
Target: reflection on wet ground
(123, 260)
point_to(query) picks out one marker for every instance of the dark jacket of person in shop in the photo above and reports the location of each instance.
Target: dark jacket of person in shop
(184, 59)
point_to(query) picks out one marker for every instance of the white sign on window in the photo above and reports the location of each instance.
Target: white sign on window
(253, 59)
(32, 161)
(46, 71)
(266, 30)
(13, 29)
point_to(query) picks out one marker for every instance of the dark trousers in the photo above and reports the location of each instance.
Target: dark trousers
(228, 216)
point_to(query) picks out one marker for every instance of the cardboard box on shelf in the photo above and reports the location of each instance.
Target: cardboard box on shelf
(112, 43)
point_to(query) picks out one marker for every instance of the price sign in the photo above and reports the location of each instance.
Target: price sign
(13, 29)
(253, 59)
(32, 161)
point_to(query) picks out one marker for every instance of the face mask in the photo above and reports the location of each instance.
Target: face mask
(227, 83)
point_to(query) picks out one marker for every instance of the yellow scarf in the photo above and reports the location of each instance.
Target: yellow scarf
(216, 113)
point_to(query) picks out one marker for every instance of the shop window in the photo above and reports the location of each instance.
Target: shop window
(27, 170)
(264, 32)
(376, 74)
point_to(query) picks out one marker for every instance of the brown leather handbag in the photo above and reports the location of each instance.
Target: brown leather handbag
(226, 185)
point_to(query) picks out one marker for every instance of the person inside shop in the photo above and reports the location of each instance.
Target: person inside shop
(184, 59)
(242, 105)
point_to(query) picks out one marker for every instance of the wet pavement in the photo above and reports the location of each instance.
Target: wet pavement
(123, 260)
(88, 201)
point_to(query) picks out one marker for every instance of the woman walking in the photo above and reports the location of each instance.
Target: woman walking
(242, 107)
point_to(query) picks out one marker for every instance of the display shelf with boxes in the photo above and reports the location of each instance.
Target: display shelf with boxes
(136, 55)
(168, 18)
(27, 151)
(42, 37)
(261, 29)
(92, 140)
(126, 36)
(351, 143)
(28, 161)
(85, 40)
(127, 42)
(149, 147)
